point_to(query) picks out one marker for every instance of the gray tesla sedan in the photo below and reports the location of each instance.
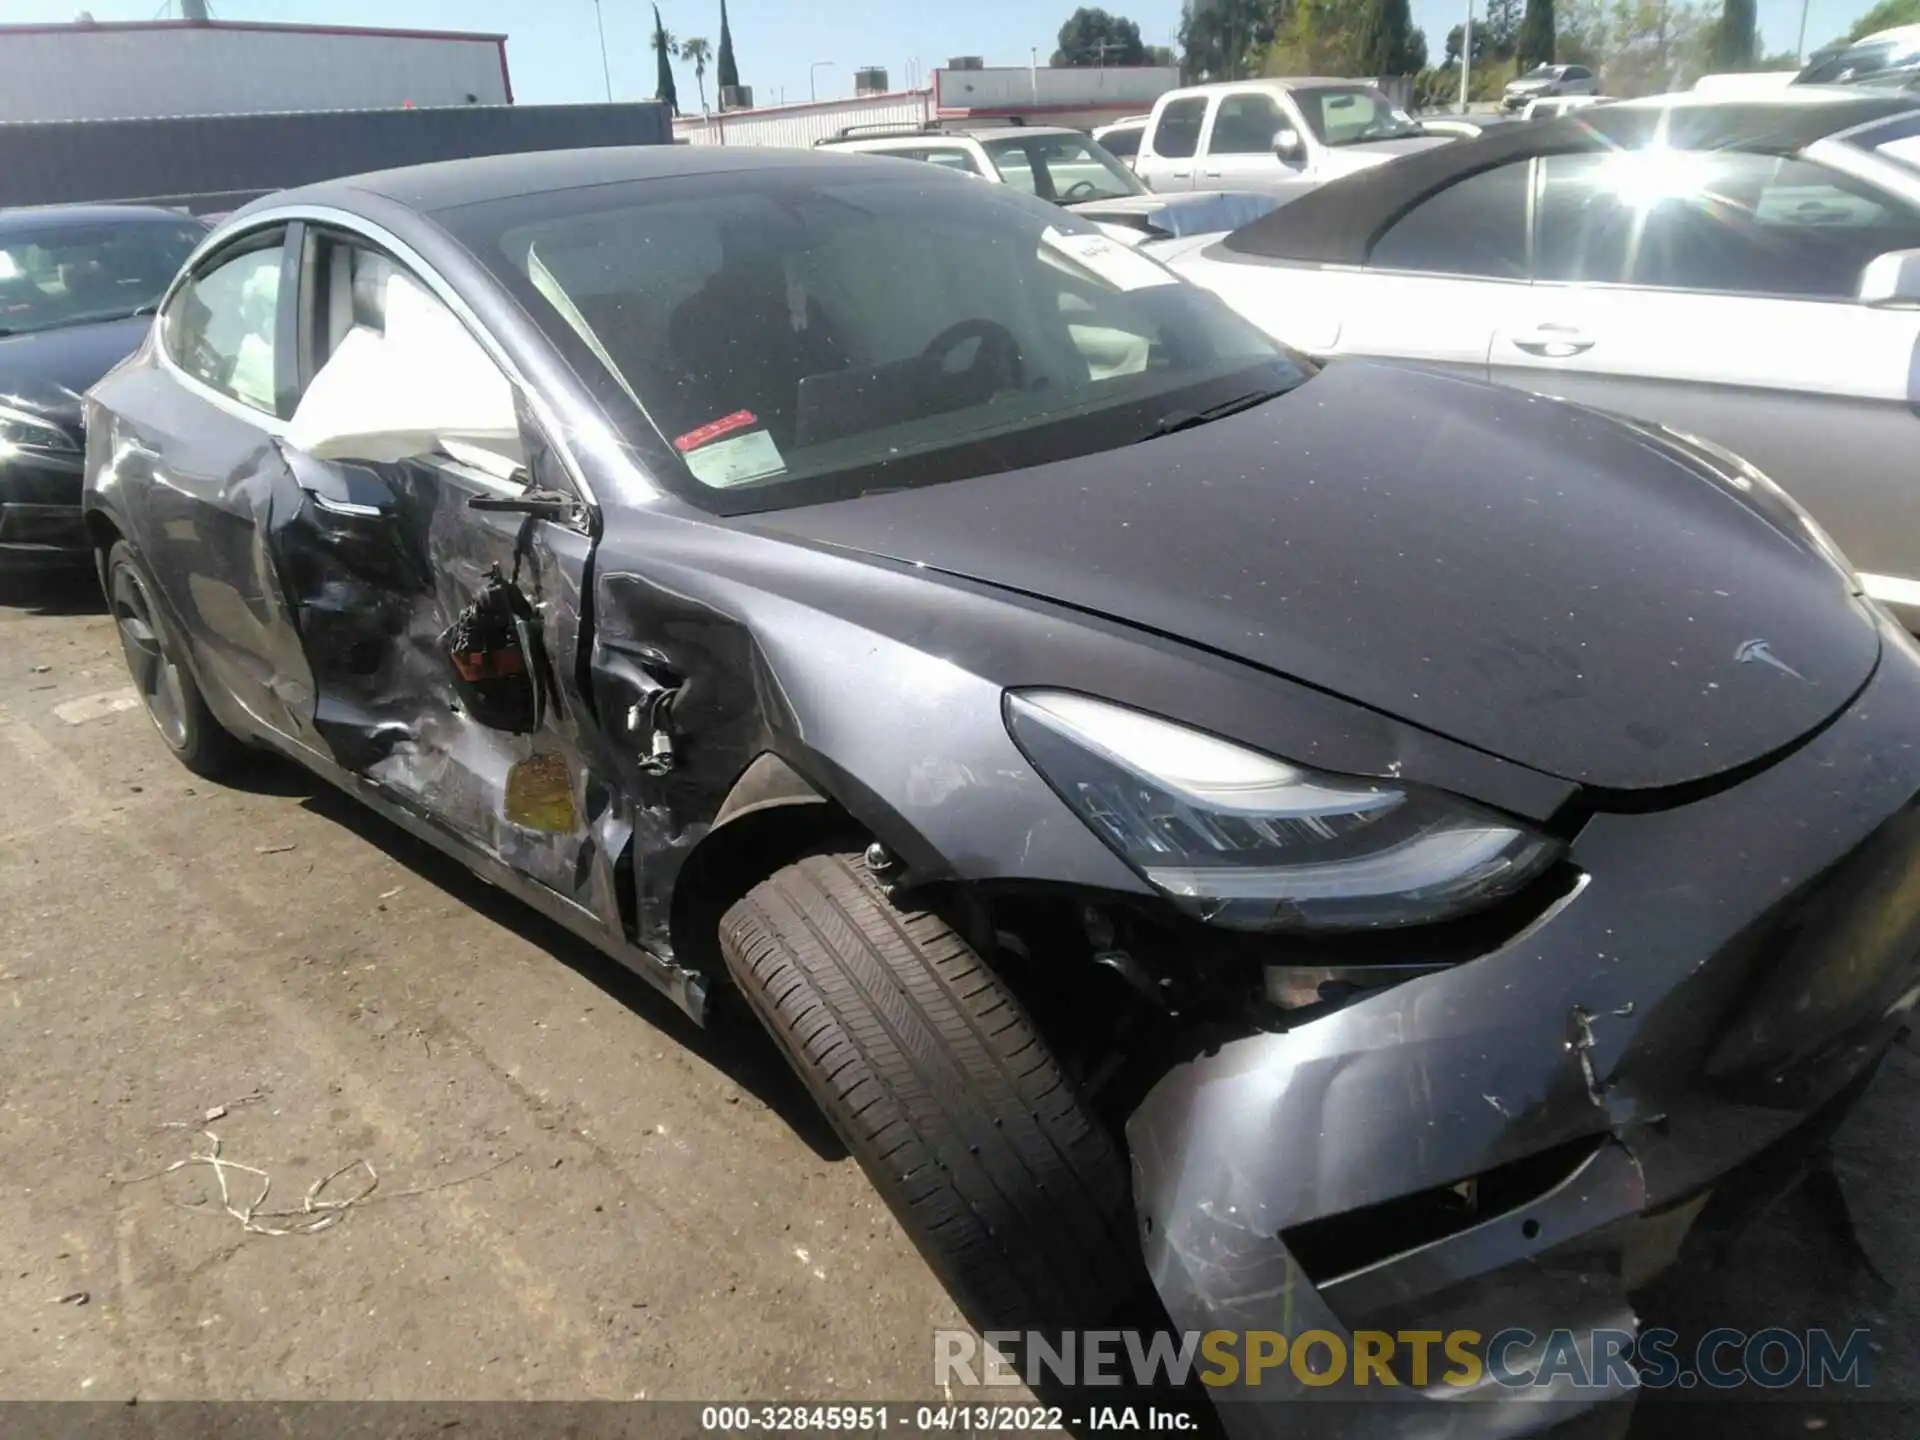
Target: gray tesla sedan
(1389, 853)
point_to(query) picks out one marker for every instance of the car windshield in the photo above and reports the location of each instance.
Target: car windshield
(80, 274)
(793, 337)
(1353, 115)
(1542, 72)
(1066, 169)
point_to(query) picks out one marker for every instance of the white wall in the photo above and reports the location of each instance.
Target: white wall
(798, 126)
(1087, 87)
(139, 72)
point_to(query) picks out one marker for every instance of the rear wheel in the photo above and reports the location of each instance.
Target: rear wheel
(934, 1076)
(158, 664)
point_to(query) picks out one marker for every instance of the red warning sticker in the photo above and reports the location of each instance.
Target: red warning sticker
(713, 430)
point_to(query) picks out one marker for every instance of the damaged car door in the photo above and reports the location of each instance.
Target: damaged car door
(432, 550)
(193, 461)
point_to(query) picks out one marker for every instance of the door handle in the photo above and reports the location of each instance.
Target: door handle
(1213, 174)
(342, 507)
(338, 488)
(1556, 342)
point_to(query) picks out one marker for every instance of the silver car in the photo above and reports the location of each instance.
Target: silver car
(1743, 270)
(1545, 81)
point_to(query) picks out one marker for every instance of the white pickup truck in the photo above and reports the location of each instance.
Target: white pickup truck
(1279, 136)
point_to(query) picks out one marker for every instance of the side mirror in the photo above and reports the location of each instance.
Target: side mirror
(405, 392)
(1288, 146)
(1892, 281)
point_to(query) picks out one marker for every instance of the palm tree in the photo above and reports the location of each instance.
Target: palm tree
(696, 52)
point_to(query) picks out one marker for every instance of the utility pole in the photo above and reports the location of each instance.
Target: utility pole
(1800, 50)
(1466, 57)
(605, 72)
(812, 70)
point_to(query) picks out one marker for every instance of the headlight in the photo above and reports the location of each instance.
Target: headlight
(22, 431)
(1248, 842)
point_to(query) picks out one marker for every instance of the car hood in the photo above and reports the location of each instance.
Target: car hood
(1582, 596)
(1375, 152)
(1177, 214)
(1528, 87)
(47, 372)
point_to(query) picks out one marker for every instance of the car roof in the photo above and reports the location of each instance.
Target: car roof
(450, 184)
(1336, 223)
(48, 217)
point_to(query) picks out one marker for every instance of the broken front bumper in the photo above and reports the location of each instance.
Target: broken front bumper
(1522, 1140)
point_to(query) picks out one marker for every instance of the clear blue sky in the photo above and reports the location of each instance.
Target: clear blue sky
(554, 54)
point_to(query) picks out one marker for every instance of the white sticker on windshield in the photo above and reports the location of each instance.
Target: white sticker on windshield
(752, 456)
(1111, 261)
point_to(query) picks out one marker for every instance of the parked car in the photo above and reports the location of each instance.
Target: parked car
(1463, 127)
(1122, 138)
(1549, 80)
(77, 284)
(1886, 57)
(1093, 741)
(1284, 136)
(1069, 168)
(1553, 107)
(1647, 256)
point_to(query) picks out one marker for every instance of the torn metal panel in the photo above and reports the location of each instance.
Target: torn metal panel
(1598, 1024)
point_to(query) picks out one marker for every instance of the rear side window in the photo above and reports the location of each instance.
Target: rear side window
(1176, 134)
(1476, 226)
(220, 326)
(1720, 221)
(1245, 125)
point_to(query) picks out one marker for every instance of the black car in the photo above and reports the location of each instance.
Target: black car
(77, 284)
(1393, 851)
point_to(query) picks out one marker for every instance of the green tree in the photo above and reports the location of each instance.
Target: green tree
(1162, 55)
(1534, 44)
(1734, 36)
(728, 76)
(1317, 37)
(1456, 37)
(1656, 45)
(1093, 37)
(1580, 33)
(696, 52)
(1497, 33)
(1220, 39)
(1884, 16)
(664, 49)
(1383, 42)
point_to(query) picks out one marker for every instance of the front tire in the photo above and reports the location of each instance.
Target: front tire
(936, 1079)
(158, 664)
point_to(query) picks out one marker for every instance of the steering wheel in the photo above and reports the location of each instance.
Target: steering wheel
(996, 362)
(1080, 190)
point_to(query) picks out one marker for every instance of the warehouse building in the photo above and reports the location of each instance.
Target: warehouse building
(146, 69)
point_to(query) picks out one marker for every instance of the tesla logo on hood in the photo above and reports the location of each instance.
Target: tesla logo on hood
(1751, 650)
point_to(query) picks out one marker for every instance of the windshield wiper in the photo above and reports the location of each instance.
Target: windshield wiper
(1178, 420)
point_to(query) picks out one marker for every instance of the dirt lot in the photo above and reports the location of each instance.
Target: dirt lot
(579, 1194)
